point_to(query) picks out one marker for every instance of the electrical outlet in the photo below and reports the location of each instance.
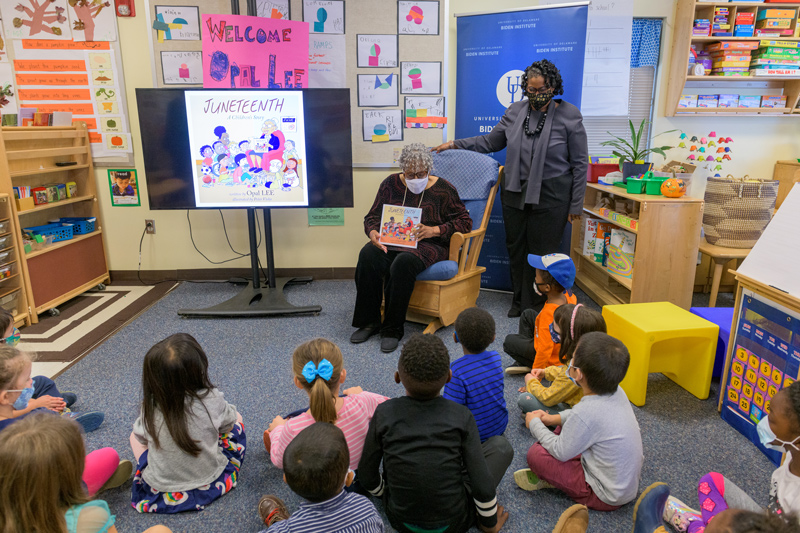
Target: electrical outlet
(150, 226)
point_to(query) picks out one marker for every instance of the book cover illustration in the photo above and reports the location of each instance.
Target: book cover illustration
(397, 225)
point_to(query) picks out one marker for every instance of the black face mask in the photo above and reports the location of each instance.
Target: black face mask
(538, 100)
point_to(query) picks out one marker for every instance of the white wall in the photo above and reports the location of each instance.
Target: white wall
(759, 142)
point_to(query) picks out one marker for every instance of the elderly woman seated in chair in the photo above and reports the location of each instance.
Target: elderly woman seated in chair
(389, 271)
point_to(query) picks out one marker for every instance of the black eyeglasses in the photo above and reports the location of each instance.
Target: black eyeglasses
(418, 175)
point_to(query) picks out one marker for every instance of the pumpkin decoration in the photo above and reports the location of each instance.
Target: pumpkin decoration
(673, 188)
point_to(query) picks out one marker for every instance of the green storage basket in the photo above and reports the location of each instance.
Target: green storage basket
(653, 185)
(635, 186)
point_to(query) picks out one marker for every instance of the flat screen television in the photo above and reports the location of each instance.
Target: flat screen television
(212, 148)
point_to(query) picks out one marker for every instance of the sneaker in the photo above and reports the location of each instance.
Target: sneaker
(513, 370)
(120, 476)
(650, 508)
(679, 515)
(69, 398)
(527, 480)
(573, 520)
(88, 421)
(271, 509)
(267, 440)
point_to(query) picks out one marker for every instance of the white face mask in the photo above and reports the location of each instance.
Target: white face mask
(417, 185)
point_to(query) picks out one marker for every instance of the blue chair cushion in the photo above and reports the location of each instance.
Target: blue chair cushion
(441, 271)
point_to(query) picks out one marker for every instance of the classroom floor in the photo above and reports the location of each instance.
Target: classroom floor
(683, 437)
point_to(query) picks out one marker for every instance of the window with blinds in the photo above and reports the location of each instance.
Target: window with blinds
(640, 106)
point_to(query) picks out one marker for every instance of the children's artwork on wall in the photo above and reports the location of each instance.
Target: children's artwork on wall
(274, 9)
(124, 188)
(324, 16)
(425, 112)
(377, 90)
(270, 53)
(382, 125)
(8, 100)
(421, 77)
(327, 61)
(376, 51)
(182, 68)
(417, 18)
(35, 19)
(177, 23)
(3, 47)
(92, 20)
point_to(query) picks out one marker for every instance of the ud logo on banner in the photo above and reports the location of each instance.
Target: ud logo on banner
(508, 88)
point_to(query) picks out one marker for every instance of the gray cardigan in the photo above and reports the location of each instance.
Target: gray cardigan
(567, 152)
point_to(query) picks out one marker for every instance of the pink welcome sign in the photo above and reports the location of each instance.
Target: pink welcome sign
(244, 52)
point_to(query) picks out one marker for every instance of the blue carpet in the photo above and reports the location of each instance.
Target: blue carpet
(683, 437)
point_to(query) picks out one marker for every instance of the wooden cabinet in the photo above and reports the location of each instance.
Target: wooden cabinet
(667, 240)
(680, 82)
(64, 269)
(12, 286)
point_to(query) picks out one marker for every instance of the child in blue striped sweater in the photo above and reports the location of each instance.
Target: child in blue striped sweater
(477, 380)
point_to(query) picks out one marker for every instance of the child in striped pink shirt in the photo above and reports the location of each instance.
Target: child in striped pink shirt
(319, 370)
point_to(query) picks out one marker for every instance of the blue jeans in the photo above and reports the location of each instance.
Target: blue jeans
(44, 386)
(528, 403)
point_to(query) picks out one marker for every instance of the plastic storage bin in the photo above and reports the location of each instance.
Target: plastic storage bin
(635, 186)
(6, 256)
(59, 232)
(653, 185)
(80, 225)
(597, 170)
(5, 242)
(7, 271)
(5, 227)
(9, 302)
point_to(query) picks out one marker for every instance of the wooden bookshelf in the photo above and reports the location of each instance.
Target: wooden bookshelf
(680, 80)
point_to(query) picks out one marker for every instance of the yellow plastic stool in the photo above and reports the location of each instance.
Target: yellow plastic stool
(662, 337)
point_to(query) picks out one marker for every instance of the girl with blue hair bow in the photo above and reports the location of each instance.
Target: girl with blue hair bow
(318, 368)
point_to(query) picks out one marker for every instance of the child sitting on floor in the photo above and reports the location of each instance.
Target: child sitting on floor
(316, 467)
(595, 456)
(45, 393)
(42, 461)
(477, 380)
(103, 468)
(570, 322)
(533, 346)
(436, 474)
(189, 442)
(779, 430)
(319, 370)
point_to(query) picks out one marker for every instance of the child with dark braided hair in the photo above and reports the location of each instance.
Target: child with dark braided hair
(779, 430)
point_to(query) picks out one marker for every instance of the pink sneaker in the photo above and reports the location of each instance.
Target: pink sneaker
(679, 515)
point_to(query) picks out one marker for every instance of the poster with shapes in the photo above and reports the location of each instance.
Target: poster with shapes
(92, 20)
(425, 112)
(382, 125)
(261, 52)
(421, 77)
(247, 148)
(3, 46)
(377, 90)
(182, 68)
(327, 61)
(376, 51)
(177, 23)
(35, 19)
(274, 9)
(124, 188)
(324, 16)
(417, 18)
(77, 77)
(8, 102)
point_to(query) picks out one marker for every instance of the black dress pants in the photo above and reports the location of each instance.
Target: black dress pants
(386, 276)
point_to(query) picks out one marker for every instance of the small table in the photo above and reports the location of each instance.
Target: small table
(720, 255)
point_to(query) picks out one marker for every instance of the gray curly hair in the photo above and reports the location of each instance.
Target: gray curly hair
(416, 155)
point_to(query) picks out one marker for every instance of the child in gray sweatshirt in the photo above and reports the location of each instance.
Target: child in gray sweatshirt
(595, 454)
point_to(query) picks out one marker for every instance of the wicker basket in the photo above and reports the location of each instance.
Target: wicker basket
(737, 210)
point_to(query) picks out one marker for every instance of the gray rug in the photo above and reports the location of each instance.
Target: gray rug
(683, 437)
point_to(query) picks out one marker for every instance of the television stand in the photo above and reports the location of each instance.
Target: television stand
(255, 300)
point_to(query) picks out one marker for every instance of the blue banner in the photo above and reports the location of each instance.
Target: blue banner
(493, 51)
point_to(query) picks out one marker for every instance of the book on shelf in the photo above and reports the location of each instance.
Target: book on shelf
(397, 225)
(732, 64)
(774, 23)
(729, 100)
(749, 101)
(733, 45)
(773, 101)
(9, 119)
(774, 13)
(622, 245)
(788, 73)
(708, 100)
(778, 44)
(730, 53)
(780, 63)
(776, 51)
(688, 100)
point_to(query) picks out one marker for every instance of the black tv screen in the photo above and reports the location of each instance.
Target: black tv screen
(246, 148)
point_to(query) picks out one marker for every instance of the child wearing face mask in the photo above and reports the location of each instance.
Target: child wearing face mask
(103, 468)
(779, 430)
(570, 323)
(536, 346)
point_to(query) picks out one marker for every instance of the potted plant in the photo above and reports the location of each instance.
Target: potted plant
(631, 157)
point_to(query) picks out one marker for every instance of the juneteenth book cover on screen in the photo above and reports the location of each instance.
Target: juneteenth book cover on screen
(248, 148)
